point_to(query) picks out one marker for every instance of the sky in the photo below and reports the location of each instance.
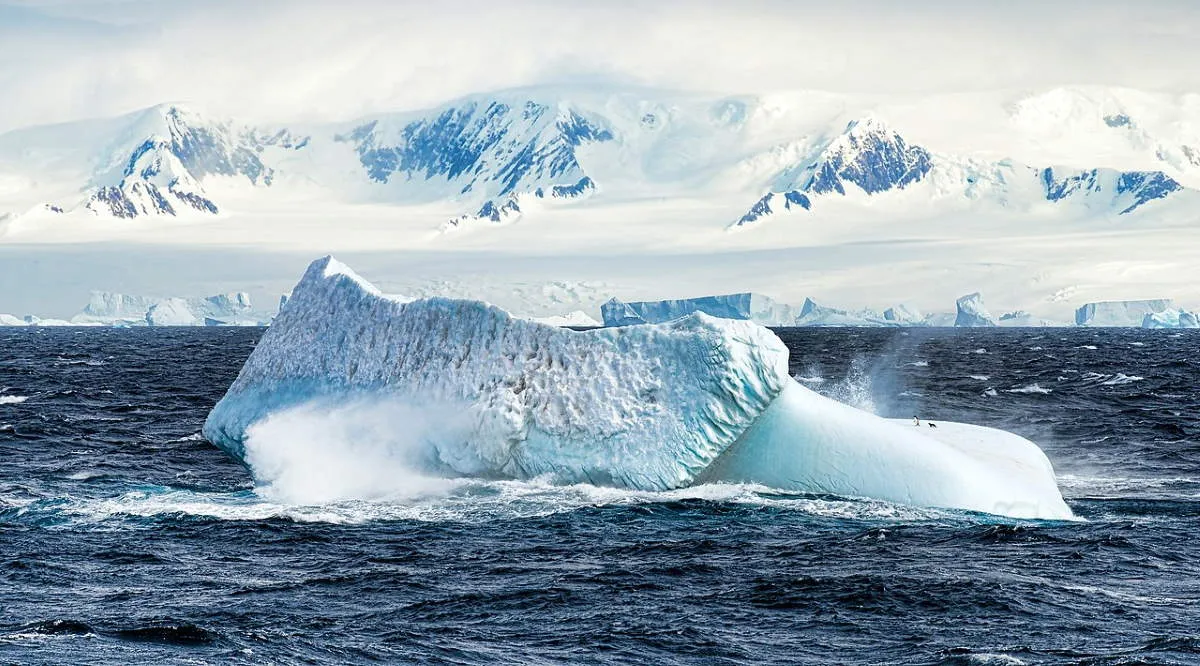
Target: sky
(294, 60)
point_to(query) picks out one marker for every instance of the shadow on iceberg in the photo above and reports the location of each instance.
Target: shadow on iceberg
(650, 407)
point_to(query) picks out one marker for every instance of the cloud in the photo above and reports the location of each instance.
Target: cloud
(302, 59)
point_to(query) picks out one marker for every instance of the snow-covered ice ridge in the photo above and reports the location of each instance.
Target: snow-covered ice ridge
(1078, 152)
(696, 400)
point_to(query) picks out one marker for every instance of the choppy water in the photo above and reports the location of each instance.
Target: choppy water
(124, 537)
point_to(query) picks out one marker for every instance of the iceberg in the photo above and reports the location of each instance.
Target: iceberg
(1119, 313)
(812, 314)
(1172, 318)
(221, 310)
(105, 307)
(904, 315)
(745, 306)
(969, 311)
(698, 399)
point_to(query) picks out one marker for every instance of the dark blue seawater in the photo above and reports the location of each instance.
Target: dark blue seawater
(125, 538)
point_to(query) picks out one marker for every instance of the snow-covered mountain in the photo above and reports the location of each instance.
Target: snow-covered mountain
(487, 159)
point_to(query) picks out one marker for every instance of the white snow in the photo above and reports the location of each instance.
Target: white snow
(1119, 313)
(466, 390)
(575, 318)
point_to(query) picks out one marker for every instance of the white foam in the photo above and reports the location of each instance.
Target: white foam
(1031, 388)
(1122, 379)
(13, 399)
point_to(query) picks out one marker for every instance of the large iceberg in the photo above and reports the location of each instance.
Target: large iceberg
(1119, 313)
(746, 306)
(970, 312)
(698, 399)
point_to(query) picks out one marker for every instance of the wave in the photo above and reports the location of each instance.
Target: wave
(1121, 379)
(13, 399)
(1031, 388)
(463, 501)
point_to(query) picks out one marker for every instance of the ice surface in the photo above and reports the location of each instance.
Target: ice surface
(464, 389)
(971, 312)
(577, 318)
(1119, 313)
(808, 442)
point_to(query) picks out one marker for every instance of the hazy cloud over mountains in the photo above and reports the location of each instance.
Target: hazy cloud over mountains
(69, 59)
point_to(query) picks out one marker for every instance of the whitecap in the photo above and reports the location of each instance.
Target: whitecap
(980, 378)
(474, 501)
(1089, 347)
(13, 399)
(919, 364)
(990, 392)
(1122, 379)
(1031, 388)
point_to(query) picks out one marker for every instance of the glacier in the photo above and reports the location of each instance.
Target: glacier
(698, 399)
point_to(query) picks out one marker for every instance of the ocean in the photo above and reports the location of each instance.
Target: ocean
(127, 538)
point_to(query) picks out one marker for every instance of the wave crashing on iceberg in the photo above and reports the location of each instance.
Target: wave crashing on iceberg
(446, 388)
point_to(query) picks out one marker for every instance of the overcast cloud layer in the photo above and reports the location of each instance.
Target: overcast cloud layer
(300, 59)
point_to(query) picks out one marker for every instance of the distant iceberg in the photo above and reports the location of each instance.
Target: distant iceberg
(652, 407)
(115, 309)
(970, 312)
(744, 306)
(1172, 318)
(221, 310)
(1119, 313)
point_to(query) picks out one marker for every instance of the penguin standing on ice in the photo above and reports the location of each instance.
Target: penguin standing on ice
(916, 421)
